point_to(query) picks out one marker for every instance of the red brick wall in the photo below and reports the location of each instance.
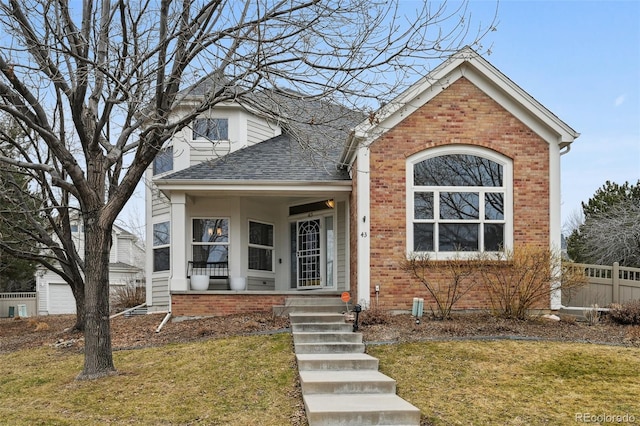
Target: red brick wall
(353, 239)
(460, 114)
(222, 304)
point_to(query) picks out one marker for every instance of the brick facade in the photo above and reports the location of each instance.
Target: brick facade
(460, 114)
(223, 304)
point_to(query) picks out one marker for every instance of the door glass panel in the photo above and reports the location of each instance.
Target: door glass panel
(309, 266)
(330, 244)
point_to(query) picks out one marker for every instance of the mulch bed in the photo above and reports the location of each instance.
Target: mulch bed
(140, 331)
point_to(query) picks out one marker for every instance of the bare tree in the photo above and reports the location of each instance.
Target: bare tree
(96, 91)
(613, 235)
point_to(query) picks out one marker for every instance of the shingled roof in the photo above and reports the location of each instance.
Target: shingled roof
(309, 149)
(281, 158)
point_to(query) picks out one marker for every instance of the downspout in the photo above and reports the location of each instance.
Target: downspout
(164, 321)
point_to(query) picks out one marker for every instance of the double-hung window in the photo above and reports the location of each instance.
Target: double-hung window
(161, 246)
(459, 200)
(261, 246)
(210, 242)
(212, 129)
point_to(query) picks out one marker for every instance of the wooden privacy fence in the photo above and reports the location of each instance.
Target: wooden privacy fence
(606, 285)
(17, 304)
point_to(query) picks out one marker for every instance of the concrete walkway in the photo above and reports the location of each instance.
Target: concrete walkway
(341, 385)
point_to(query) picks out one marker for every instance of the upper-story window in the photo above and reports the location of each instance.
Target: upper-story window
(163, 161)
(213, 129)
(459, 200)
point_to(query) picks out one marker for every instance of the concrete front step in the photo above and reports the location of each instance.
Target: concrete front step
(359, 409)
(336, 362)
(326, 337)
(322, 327)
(310, 304)
(346, 382)
(330, 348)
(315, 317)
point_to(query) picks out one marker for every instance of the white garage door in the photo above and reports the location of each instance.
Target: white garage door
(61, 299)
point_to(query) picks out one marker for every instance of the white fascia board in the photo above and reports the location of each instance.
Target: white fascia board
(255, 187)
(514, 95)
(487, 78)
(408, 102)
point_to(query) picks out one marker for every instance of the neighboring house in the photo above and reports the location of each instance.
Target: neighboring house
(464, 160)
(126, 267)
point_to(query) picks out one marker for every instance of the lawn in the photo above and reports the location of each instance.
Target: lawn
(234, 381)
(516, 382)
(252, 381)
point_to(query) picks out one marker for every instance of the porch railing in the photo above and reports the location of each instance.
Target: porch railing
(219, 270)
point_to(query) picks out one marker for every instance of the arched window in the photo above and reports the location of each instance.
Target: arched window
(459, 200)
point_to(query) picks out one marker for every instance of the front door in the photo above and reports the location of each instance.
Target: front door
(308, 254)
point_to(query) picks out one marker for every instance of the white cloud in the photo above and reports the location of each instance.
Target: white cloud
(620, 100)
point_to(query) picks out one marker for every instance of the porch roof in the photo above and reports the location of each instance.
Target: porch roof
(279, 159)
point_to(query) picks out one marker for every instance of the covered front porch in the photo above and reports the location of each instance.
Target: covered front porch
(254, 250)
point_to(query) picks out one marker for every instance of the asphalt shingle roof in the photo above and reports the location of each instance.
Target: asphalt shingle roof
(314, 133)
(281, 158)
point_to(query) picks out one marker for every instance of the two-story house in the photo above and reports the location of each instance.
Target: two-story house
(126, 268)
(325, 201)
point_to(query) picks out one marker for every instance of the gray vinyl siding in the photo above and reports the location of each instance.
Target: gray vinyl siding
(258, 284)
(160, 203)
(205, 150)
(160, 293)
(258, 131)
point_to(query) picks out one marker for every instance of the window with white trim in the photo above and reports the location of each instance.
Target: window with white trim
(161, 246)
(210, 241)
(459, 200)
(261, 246)
(212, 129)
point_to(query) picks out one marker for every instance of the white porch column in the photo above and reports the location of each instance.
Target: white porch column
(363, 226)
(178, 279)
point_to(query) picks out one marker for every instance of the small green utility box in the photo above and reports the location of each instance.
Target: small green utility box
(12, 311)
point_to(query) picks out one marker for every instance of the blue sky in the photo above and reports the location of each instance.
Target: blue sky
(581, 60)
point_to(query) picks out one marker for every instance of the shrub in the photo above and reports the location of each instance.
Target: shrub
(128, 296)
(522, 279)
(445, 280)
(626, 313)
(374, 316)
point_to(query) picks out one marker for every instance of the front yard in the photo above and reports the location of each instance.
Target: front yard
(474, 370)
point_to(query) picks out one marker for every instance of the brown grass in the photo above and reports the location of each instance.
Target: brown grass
(234, 381)
(513, 383)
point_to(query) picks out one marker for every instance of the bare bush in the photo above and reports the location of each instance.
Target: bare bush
(447, 281)
(128, 296)
(523, 279)
(626, 313)
(375, 316)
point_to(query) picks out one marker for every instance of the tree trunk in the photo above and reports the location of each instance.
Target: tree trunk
(80, 317)
(98, 358)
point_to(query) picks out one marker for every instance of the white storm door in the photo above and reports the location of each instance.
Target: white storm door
(308, 254)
